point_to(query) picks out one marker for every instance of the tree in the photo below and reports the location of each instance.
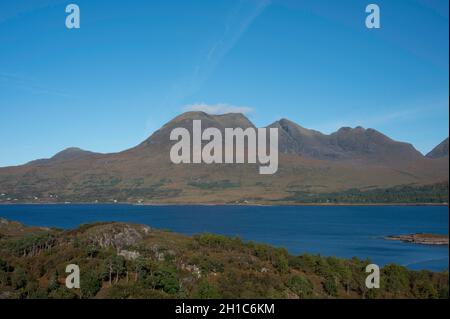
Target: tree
(422, 286)
(113, 266)
(90, 284)
(3, 265)
(19, 278)
(281, 262)
(53, 283)
(143, 268)
(166, 278)
(330, 287)
(395, 279)
(206, 290)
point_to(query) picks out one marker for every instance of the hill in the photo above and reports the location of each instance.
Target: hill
(120, 260)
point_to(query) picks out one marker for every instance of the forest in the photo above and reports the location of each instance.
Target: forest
(134, 261)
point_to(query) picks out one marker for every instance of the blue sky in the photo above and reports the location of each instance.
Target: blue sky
(133, 65)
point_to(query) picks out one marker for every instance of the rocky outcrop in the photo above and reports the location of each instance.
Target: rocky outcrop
(423, 239)
(118, 236)
(129, 254)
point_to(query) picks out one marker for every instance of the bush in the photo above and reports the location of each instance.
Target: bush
(322, 268)
(33, 291)
(395, 279)
(443, 292)
(219, 241)
(422, 286)
(3, 278)
(304, 262)
(206, 290)
(301, 286)
(62, 293)
(19, 278)
(90, 284)
(3, 265)
(281, 263)
(330, 287)
(53, 283)
(166, 278)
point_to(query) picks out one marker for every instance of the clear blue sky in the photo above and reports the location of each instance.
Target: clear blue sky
(134, 65)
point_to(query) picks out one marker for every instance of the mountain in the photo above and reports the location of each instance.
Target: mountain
(354, 144)
(69, 154)
(439, 151)
(161, 137)
(310, 164)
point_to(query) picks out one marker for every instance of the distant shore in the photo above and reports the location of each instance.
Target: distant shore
(224, 204)
(422, 239)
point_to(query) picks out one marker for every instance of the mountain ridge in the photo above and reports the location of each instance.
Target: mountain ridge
(310, 162)
(239, 120)
(440, 150)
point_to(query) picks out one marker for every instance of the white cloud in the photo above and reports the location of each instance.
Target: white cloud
(220, 108)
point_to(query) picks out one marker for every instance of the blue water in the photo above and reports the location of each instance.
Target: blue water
(343, 231)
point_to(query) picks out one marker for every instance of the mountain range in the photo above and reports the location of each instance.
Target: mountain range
(310, 163)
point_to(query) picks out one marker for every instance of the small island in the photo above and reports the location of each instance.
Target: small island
(422, 239)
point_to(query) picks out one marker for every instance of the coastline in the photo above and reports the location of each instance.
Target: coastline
(421, 239)
(228, 204)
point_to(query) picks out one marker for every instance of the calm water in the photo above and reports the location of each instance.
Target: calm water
(343, 231)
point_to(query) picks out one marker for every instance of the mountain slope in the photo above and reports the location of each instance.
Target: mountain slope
(439, 151)
(309, 162)
(69, 154)
(354, 144)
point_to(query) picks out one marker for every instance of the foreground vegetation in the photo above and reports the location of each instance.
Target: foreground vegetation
(133, 261)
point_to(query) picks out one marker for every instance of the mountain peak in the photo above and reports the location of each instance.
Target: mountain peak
(225, 120)
(69, 153)
(222, 121)
(439, 151)
(291, 127)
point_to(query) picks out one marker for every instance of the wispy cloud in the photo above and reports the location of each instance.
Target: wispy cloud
(237, 23)
(23, 83)
(220, 108)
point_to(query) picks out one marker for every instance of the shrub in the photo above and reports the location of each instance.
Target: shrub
(62, 293)
(301, 286)
(281, 263)
(90, 284)
(206, 290)
(19, 278)
(330, 287)
(422, 286)
(3, 265)
(3, 278)
(219, 241)
(166, 278)
(53, 283)
(395, 279)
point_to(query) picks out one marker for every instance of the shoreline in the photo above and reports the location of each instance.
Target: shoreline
(421, 239)
(286, 204)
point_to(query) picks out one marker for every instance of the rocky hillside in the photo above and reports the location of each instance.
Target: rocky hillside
(119, 260)
(440, 151)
